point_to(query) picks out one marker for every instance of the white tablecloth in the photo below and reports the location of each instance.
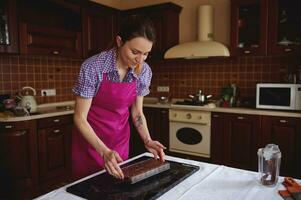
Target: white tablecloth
(210, 182)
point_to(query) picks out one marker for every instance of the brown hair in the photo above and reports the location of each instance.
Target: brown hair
(137, 26)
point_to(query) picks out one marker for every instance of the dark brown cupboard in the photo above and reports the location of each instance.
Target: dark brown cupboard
(265, 27)
(35, 156)
(235, 139)
(284, 27)
(54, 138)
(55, 32)
(286, 133)
(18, 156)
(99, 28)
(249, 27)
(8, 27)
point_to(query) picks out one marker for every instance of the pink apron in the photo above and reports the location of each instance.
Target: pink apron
(108, 116)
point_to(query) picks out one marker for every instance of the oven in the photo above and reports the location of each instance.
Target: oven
(190, 132)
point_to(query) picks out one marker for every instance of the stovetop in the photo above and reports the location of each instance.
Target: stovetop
(190, 103)
(106, 187)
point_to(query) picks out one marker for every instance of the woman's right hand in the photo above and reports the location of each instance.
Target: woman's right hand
(111, 160)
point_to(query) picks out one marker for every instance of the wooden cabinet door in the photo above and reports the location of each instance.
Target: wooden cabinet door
(99, 28)
(18, 156)
(42, 40)
(54, 152)
(284, 27)
(8, 27)
(286, 133)
(54, 139)
(249, 24)
(241, 140)
(217, 138)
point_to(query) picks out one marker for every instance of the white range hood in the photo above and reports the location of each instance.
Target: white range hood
(205, 46)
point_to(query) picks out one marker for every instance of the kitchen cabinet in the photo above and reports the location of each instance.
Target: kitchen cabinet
(54, 138)
(35, 156)
(217, 138)
(99, 28)
(18, 156)
(165, 18)
(8, 27)
(265, 27)
(40, 40)
(284, 27)
(237, 141)
(158, 125)
(57, 30)
(249, 24)
(286, 133)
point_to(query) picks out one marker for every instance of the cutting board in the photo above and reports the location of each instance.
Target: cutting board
(106, 187)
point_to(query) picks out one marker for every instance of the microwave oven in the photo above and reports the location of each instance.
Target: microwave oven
(278, 96)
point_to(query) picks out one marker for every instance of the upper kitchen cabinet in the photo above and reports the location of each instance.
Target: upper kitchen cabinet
(249, 24)
(50, 27)
(8, 27)
(284, 27)
(165, 18)
(99, 27)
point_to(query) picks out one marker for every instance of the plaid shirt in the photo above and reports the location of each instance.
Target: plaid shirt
(92, 70)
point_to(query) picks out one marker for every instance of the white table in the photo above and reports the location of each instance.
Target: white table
(210, 182)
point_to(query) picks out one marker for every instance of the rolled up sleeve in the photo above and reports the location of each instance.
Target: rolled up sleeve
(87, 82)
(144, 81)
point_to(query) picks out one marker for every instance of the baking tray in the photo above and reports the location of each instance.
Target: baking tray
(106, 187)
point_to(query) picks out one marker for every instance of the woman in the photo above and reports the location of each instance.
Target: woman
(109, 84)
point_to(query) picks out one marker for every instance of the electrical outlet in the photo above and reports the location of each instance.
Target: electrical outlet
(48, 92)
(163, 89)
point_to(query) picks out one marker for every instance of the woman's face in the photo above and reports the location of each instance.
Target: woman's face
(133, 52)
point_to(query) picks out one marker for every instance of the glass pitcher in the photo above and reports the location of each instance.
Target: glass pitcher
(269, 164)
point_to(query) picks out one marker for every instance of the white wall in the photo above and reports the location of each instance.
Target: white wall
(188, 16)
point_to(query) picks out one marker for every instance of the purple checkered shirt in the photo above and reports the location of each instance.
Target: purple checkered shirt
(92, 70)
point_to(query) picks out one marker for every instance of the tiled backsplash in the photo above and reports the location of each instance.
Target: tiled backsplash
(40, 73)
(183, 77)
(212, 74)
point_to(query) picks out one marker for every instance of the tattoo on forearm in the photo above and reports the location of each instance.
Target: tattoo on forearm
(138, 121)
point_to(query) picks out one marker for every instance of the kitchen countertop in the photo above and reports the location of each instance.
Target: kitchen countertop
(51, 110)
(210, 182)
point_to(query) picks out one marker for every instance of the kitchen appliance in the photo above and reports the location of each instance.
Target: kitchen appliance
(105, 187)
(28, 101)
(278, 96)
(205, 46)
(190, 131)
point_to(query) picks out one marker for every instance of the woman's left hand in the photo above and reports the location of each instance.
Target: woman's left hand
(156, 148)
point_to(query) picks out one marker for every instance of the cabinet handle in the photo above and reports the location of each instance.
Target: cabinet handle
(56, 52)
(240, 117)
(8, 126)
(215, 115)
(56, 120)
(283, 121)
(287, 49)
(163, 111)
(56, 131)
(247, 52)
(20, 134)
